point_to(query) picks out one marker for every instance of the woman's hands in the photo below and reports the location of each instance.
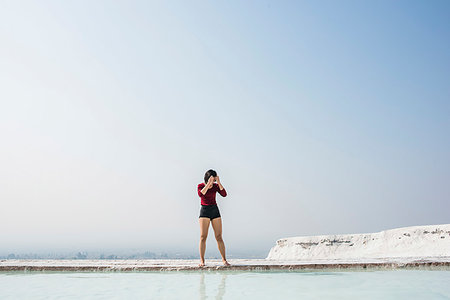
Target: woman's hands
(210, 181)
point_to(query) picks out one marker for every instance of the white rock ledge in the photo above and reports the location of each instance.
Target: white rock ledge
(423, 242)
(86, 265)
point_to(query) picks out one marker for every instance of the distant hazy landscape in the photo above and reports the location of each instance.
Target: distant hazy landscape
(122, 254)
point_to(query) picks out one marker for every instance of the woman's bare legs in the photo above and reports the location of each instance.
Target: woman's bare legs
(204, 225)
(217, 226)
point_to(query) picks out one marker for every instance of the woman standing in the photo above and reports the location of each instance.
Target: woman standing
(209, 213)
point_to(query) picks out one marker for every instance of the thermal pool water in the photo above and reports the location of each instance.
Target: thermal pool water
(392, 284)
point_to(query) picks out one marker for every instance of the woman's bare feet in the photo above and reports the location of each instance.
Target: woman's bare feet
(201, 264)
(225, 263)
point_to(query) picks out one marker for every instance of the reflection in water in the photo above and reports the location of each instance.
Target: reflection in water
(220, 288)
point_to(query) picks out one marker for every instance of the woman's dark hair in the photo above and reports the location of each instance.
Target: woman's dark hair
(210, 173)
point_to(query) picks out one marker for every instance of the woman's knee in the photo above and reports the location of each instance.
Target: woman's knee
(219, 237)
(203, 237)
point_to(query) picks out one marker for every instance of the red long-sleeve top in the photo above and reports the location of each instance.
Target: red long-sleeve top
(210, 197)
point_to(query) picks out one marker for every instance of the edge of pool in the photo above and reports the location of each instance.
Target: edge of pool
(62, 265)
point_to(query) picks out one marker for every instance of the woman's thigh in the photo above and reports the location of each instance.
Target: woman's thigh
(204, 225)
(217, 226)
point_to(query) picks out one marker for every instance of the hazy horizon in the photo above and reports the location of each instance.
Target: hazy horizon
(319, 117)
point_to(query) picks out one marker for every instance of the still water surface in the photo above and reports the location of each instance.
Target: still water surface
(395, 284)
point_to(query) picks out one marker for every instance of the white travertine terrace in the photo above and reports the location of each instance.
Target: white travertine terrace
(406, 242)
(131, 265)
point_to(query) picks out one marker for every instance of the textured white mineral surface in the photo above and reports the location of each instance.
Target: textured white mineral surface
(406, 242)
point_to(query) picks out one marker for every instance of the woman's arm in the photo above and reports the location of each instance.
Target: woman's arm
(221, 190)
(208, 185)
(205, 189)
(220, 185)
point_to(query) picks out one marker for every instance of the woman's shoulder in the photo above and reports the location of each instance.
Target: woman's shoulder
(201, 184)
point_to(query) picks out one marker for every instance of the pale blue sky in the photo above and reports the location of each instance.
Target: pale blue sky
(320, 117)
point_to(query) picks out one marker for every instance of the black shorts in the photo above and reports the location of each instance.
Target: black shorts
(209, 211)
